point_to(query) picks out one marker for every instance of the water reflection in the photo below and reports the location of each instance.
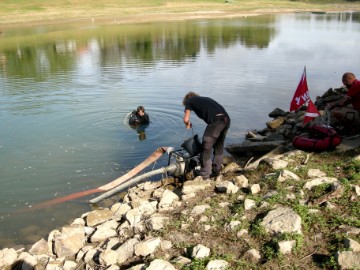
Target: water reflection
(38, 54)
(140, 131)
(41, 55)
(66, 91)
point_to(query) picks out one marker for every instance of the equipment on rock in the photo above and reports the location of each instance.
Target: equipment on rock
(181, 164)
(321, 138)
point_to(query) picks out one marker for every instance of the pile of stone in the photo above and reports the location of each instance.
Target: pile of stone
(283, 127)
(126, 235)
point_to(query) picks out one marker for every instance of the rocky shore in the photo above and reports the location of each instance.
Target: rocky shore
(224, 223)
(286, 209)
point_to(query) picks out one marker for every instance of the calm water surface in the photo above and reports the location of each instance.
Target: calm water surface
(66, 90)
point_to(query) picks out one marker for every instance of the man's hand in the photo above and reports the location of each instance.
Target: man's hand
(186, 119)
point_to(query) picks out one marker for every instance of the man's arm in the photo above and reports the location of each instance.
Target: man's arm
(342, 102)
(187, 119)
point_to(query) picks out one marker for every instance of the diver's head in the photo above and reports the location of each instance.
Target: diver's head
(140, 110)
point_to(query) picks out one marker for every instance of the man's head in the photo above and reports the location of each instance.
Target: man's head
(348, 79)
(189, 95)
(140, 110)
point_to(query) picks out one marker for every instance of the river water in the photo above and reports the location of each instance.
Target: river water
(66, 90)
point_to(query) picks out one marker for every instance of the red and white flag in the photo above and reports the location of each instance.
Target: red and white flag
(301, 94)
(311, 112)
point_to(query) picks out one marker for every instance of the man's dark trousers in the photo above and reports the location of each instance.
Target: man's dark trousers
(213, 138)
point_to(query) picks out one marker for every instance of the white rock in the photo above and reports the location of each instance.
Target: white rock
(285, 247)
(40, 247)
(104, 231)
(188, 196)
(166, 245)
(147, 208)
(249, 204)
(348, 259)
(226, 187)
(315, 173)
(156, 222)
(71, 240)
(253, 254)
(160, 265)
(233, 224)
(168, 198)
(182, 261)
(231, 167)
(120, 209)
(203, 219)
(81, 254)
(264, 205)
(241, 181)
(282, 220)
(133, 216)
(97, 217)
(200, 251)
(276, 164)
(147, 247)
(255, 189)
(217, 265)
(78, 221)
(194, 186)
(287, 175)
(242, 233)
(291, 196)
(318, 181)
(69, 265)
(199, 209)
(108, 257)
(185, 226)
(224, 204)
(126, 250)
(90, 255)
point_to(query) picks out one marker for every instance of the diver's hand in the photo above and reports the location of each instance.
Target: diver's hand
(188, 125)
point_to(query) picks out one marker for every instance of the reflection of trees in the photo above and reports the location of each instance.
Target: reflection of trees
(36, 62)
(183, 41)
(323, 16)
(140, 44)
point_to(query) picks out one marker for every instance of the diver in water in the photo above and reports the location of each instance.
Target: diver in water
(139, 120)
(139, 117)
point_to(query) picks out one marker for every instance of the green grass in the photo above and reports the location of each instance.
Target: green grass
(54, 11)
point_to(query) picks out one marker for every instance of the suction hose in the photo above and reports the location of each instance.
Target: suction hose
(174, 168)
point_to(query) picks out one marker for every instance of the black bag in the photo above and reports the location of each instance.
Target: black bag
(192, 145)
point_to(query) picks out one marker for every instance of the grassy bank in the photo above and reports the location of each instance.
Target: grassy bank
(13, 12)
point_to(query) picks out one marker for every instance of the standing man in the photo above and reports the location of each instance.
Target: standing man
(348, 115)
(218, 123)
